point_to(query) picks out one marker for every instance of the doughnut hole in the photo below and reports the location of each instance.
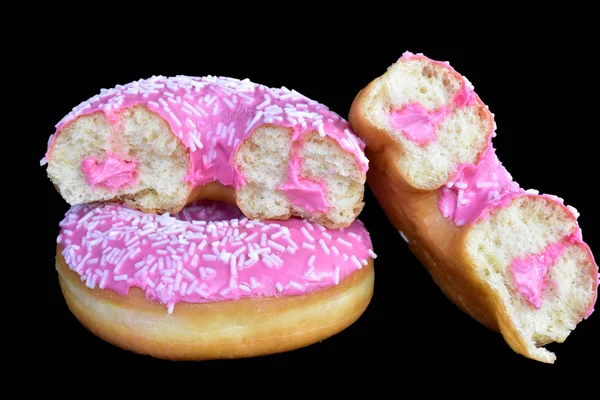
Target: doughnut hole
(459, 139)
(263, 160)
(537, 222)
(139, 135)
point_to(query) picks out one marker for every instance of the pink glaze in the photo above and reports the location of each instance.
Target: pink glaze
(213, 115)
(417, 123)
(530, 273)
(207, 252)
(477, 189)
(113, 172)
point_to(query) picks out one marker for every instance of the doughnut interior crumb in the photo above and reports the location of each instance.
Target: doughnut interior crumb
(139, 135)
(263, 160)
(492, 245)
(460, 138)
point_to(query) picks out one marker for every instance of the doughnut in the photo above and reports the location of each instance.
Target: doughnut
(209, 283)
(158, 144)
(512, 259)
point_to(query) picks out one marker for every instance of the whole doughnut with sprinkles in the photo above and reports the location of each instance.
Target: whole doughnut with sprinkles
(158, 144)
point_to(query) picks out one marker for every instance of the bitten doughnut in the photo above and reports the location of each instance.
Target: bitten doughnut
(208, 282)
(158, 144)
(511, 258)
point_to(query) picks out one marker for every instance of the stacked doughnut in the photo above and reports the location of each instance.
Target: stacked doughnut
(210, 217)
(511, 258)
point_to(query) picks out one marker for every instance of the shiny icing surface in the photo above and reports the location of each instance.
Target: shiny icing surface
(207, 252)
(213, 115)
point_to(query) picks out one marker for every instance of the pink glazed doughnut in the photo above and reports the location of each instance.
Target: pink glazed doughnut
(158, 144)
(512, 259)
(209, 283)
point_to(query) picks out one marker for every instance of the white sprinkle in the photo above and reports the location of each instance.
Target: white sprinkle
(170, 309)
(252, 236)
(311, 260)
(253, 121)
(275, 245)
(356, 262)
(233, 266)
(281, 232)
(403, 236)
(336, 275)
(344, 242)
(372, 254)
(122, 277)
(103, 280)
(324, 246)
(209, 257)
(309, 271)
(263, 240)
(296, 285)
(308, 246)
(150, 283)
(244, 287)
(161, 243)
(279, 287)
(188, 274)
(308, 235)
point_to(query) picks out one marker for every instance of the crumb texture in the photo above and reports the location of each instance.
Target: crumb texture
(460, 137)
(524, 228)
(264, 159)
(140, 136)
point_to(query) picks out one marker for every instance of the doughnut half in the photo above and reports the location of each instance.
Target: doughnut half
(208, 283)
(158, 144)
(512, 259)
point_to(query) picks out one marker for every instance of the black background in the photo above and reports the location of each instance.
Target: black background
(545, 139)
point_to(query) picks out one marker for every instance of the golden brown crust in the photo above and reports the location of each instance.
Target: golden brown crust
(232, 329)
(435, 241)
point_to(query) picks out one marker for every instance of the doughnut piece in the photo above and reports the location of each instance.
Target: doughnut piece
(158, 144)
(208, 282)
(512, 259)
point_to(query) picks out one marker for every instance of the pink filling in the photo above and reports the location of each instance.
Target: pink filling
(476, 190)
(416, 123)
(304, 193)
(530, 273)
(213, 115)
(207, 252)
(113, 172)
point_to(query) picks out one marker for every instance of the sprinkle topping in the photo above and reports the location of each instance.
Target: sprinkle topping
(207, 252)
(213, 115)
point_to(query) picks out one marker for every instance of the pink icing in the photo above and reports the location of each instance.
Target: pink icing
(213, 115)
(417, 123)
(113, 172)
(530, 273)
(207, 252)
(477, 189)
